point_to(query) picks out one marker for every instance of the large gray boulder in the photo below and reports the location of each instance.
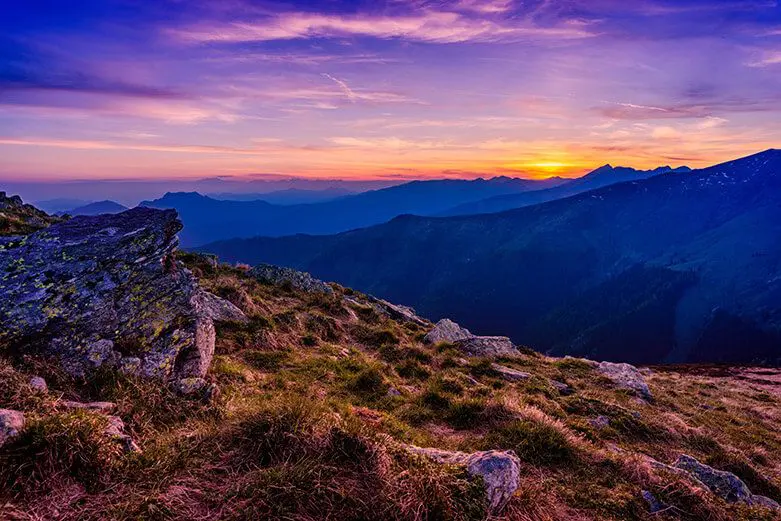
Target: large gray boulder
(499, 470)
(107, 290)
(490, 346)
(626, 376)
(724, 484)
(447, 331)
(11, 424)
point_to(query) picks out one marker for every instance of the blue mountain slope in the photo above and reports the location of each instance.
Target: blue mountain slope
(644, 271)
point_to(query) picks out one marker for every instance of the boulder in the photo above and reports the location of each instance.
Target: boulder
(447, 331)
(99, 407)
(298, 279)
(95, 291)
(564, 389)
(11, 424)
(396, 312)
(626, 376)
(508, 373)
(724, 484)
(499, 470)
(39, 384)
(489, 346)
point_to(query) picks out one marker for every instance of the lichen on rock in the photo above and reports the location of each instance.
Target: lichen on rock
(106, 291)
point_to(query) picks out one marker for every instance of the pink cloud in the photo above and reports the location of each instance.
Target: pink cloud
(429, 27)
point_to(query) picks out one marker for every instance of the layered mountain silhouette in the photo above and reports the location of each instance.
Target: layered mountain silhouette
(207, 219)
(602, 176)
(684, 266)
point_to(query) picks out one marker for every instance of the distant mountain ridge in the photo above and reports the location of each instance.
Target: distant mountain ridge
(96, 208)
(684, 266)
(603, 176)
(207, 219)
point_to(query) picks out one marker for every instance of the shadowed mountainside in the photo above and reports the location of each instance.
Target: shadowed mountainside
(208, 219)
(664, 269)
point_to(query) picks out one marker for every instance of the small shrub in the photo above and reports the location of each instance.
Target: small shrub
(413, 370)
(309, 340)
(539, 443)
(368, 383)
(466, 414)
(374, 336)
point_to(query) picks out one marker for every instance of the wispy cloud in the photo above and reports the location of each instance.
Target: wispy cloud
(429, 27)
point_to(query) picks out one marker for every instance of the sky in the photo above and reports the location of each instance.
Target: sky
(382, 89)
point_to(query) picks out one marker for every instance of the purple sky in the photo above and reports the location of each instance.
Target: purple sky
(382, 89)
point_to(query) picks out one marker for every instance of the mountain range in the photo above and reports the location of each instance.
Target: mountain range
(207, 219)
(602, 176)
(679, 267)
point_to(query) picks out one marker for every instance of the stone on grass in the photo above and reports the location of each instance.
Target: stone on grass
(447, 331)
(39, 384)
(300, 280)
(499, 470)
(508, 373)
(488, 346)
(626, 376)
(11, 424)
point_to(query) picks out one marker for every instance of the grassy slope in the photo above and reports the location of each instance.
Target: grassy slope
(305, 428)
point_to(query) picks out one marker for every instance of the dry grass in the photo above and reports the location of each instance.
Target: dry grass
(318, 394)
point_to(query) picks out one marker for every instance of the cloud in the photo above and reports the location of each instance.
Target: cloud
(342, 85)
(768, 58)
(485, 6)
(428, 27)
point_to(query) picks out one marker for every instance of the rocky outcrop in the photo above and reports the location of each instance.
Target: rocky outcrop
(11, 424)
(724, 484)
(491, 346)
(626, 376)
(19, 218)
(396, 312)
(499, 470)
(298, 279)
(107, 290)
(447, 331)
(510, 374)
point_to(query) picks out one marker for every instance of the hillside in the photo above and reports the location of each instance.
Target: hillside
(208, 219)
(19, 218)
(321, 395)
(678, 267)
(312, 401)
(603, 176)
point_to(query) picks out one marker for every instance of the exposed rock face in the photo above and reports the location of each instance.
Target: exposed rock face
(724, 484)
(298, 279)
(396, 312)
(107, 290)
(447, 331)
(500, 471)
(11, 424)
(491, 346)
(508, 373)
(626, 376)
(654, 505)
(19, 218)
